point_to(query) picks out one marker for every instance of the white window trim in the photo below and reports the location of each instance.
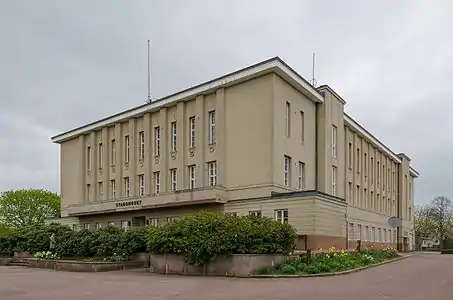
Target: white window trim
(127, 148)
(173, 140)
(173, 180)
(287, 171)
(101, 154)
(192, 177)
(212, 173)
(113, 187)
(301, 177)
(334, 141)
(113, 158)
(192, 129)
(280, 215)
(157, 141)
(157, 182)
(141, 136)
(212, 120)
(89, 158)
(127, 187)
(141, 184)
(334, 180)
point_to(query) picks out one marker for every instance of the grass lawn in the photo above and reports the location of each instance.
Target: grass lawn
(332, 261)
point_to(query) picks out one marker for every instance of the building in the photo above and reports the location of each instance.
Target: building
(260, 140)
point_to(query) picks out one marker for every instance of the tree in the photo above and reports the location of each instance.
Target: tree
(20, 208)
(440, 212)
(423, 225)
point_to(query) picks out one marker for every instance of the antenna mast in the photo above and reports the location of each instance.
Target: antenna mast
(149, 73)
(313, 80)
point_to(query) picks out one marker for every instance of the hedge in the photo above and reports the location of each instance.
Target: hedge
(446, 251)
(103, 243)
(204, 236)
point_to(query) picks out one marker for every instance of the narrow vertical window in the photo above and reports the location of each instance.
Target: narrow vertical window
(173, 136)
(113, 188)
(334, 141)
(127, 187)
(141, 184)
(113, 153)
(302, 126)
(156, 176)
(157, 141)
(301, 178)
(126, 149)
(89, 193)
(141, 138)
(191, 177)
(212, 173)
(101, 155)
(100, 189)
(173, 179)
(372, 169)
(192, 132)
(89, 158)
(334, 180)
(287, 171)
(212, 127)
(358, 160)
(378, 175)
(365, 165)
(288, 119)
(350, 155)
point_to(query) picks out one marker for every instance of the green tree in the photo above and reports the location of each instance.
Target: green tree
(423, 224)
(20, 208)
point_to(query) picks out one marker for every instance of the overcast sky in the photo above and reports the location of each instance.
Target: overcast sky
(65, 63)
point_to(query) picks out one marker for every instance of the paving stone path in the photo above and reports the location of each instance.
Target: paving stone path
(421, 276)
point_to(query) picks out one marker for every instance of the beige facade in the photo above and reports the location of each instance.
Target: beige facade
(261, 140)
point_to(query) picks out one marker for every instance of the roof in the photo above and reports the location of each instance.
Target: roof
(272, 65)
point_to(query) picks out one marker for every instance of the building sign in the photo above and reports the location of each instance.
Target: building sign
(128, 203)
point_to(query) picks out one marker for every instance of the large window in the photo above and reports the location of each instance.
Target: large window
(287, 171)
(212, 127)
(157, 141)
(281, 215)
(173, 137)
(212, 172)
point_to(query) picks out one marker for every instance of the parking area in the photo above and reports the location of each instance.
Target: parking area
(422, 276)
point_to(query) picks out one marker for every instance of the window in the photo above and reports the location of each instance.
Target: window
(373, 234)
(410, 192)
(89, 158)
(372, 169)
(281, 215)
(170, 219)
(358, 160)
(100, 188)
(378, 175)
(367, 233)
(212, 127)
(373, 204)
(173, 179)
(410, 213)
(255, 213)
(334, 180)
(157, 141)
(212, 173)
(101, 155)
(191, 177)
(350, 192)
(141, 138)
(173, 137)
(334, 141)
(125, 224)
(111, 223)
(141, 184)
(301, 178)
(383, 176)
(89, 192)
(75, 227)
(288, 119)
(113, 188)
(351, 231)
(156, 176)
(302, 126)
(127, 187)
(192, 132)
(153, 222)
(126, 149)
(379, 237)
(359, 230)
(87, 226)
(365, 165)
(365, 196)
(350, 155)
(287, 171)
(113, 154)
(98, 225)
(357, 195)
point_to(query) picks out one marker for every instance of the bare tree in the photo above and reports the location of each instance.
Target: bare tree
(440, 212)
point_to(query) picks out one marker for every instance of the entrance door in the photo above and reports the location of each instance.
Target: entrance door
(139, 221)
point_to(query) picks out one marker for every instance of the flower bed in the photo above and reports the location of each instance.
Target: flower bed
(332, 261)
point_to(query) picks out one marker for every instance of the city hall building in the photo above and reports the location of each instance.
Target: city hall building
(260, 141)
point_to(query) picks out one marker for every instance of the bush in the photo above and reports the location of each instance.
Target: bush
(204, 236)
(332, 261)
(103, 243)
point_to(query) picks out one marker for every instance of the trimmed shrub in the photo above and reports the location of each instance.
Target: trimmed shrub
(204, 236)
(446, 251)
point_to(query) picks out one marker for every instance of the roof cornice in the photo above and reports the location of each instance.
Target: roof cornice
(273, 65)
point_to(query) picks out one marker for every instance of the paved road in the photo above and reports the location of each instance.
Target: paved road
(420, 277)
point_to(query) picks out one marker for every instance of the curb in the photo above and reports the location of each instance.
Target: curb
(329, 274)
